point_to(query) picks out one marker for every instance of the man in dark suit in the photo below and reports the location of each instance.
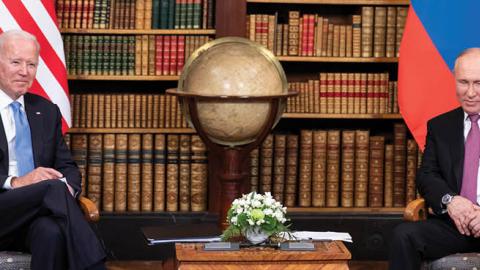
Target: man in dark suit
(448, 178)
(38, 177)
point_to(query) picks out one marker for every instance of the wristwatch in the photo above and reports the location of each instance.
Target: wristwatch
(446, 199)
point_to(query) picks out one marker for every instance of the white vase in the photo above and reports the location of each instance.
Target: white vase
(255, 235)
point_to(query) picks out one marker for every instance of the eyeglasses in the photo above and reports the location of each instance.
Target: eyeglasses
(465, 85)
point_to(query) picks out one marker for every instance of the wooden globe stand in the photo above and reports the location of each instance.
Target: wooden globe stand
(230, 173)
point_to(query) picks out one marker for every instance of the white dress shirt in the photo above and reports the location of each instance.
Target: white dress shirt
(467, 125)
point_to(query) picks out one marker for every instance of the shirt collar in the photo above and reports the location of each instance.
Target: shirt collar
(5, 100)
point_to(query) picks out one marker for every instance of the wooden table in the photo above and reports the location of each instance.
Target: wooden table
(328, 255)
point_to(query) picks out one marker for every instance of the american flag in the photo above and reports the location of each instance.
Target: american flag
(38, 18)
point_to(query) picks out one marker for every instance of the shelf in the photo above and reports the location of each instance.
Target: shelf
(338, 59)
(335, 2)
(140, 31)
(340, 116)
(123, 78)
(132, 130)
(347, 210)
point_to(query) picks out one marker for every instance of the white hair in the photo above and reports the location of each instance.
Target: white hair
(17, 33)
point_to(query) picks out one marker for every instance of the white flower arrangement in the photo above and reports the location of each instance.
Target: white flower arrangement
(255, 211)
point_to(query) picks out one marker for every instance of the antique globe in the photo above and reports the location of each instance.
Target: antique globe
(233, 67)
(232, 91)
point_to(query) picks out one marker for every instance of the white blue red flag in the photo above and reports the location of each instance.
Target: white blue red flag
(38, 17)
(435, 33)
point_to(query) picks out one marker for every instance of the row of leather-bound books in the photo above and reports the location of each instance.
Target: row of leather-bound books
(135, 14)
(119, 110)
(376, 32)
(345, 93)
(315, 168)
(337, 168)
(334, 93)
(142, 172)
(129, 54)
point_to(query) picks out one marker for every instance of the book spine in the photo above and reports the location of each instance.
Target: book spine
(361, 167)
(172, 172)
(121, 146)
(375, 188)
(319, 168)
(305, 169)
(159, 173)
(147, 173)
(184, 173)
(108, 172)
(280, 142)
(291, 170)
(266, 161)
(348, 165)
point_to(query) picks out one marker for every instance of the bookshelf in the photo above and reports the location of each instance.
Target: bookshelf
(139, 31)
(123, 78)
(334, 2)
(320, 59)
(230, 20)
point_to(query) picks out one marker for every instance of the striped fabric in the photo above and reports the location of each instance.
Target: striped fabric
(39, 18)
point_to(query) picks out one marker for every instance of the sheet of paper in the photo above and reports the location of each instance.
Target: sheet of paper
(184, 240)
(317, 236)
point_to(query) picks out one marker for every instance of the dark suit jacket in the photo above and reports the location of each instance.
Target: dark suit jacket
(442, 167)
(49, 148)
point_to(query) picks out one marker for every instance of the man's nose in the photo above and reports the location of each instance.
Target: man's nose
(23, 70)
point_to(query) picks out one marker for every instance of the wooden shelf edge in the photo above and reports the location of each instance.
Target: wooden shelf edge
(131, 130)
(123, 78)
(340, 116)
(338, 59)
(140, 31)
(346, 210)
(335, 2)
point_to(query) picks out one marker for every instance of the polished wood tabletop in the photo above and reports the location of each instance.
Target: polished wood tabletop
(326, 256)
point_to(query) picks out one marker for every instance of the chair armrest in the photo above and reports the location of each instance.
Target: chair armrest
(89, 209)
(415, 210)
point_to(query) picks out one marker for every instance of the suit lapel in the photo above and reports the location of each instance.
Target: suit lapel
(3, 148)
(457, 146)
(35, 120)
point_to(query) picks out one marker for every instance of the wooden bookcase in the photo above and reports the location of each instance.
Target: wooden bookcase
(369, 226)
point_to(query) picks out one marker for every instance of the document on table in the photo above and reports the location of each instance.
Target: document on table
(319, 236)
(184, 240)
(181, 233)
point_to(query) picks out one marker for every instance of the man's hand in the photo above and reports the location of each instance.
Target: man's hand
(35, 176)
(474, 225)
(461, 210)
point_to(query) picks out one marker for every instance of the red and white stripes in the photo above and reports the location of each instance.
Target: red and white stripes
(38, 18)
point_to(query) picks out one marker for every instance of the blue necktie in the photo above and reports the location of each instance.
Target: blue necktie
(23, 140)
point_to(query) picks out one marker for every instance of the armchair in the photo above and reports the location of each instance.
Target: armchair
(10, 260)
(415, 211)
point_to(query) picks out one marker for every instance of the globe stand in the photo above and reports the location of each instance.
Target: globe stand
(230, 173)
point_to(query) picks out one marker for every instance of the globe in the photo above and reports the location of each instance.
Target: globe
(241, 70)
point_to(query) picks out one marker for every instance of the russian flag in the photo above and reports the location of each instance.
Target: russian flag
(435, 33)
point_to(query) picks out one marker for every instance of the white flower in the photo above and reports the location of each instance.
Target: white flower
(239, 210)
(268, 212)
(250, 222)
(269, 201)
(278, 215)
(256, 204)
(234, 220)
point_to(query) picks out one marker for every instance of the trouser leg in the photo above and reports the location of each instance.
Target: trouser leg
(430, 239)
(19, 207)
(46, 242)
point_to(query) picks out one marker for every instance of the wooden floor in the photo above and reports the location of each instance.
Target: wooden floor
(157, 265)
